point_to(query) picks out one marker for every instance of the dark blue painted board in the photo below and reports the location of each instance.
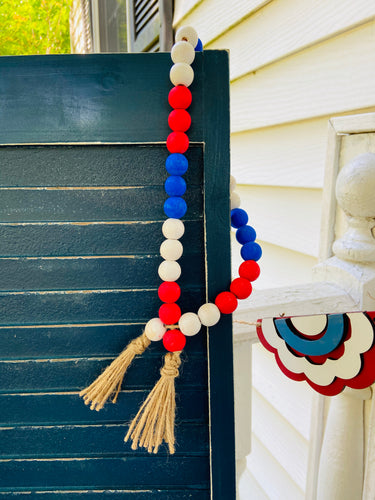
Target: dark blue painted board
(67, 408)
(90, 441)
(92, 165)
(109, 473)
(80, 98)
(77, 341)
(88, 307)
(96, 238)
(171, 494)
(85, 205)
(92, 273)
(72, 375)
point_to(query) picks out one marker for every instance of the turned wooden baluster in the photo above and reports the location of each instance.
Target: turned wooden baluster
(342, 461)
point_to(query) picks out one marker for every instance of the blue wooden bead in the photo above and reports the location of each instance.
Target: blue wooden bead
(175, 207)
(245, 234)
(175, 185)
(176, 164)
(199, 46)
(238, 217)
(251, 251)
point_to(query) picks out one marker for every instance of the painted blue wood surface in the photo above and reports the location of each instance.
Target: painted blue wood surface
(80, 230)
(86, 440)
(92, 165)
(72, 341)
(171, 494)
(66, 408)
(83, 238)
(73, 374)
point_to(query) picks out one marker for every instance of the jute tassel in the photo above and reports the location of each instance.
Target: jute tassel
(154, 421)
(110, 381)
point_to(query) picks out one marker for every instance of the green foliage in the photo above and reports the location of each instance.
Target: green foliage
(34, 27)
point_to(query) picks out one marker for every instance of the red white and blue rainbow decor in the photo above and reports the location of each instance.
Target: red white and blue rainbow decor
(329, 351)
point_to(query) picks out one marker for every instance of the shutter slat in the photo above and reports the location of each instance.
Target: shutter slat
(145, 16)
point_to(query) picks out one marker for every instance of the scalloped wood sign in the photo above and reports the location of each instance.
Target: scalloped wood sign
(329, 351)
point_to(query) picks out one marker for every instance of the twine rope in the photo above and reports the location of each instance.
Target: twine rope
(154, 422)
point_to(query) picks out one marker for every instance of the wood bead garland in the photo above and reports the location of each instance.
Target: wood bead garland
(182, 52)
(180, 97)
(209, 314)
(173, 229)
(169, 270)
(154, 423)
(155, 329)
(181, 74)
(171, 249)
(189, 324)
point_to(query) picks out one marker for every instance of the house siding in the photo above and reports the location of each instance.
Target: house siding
(293, 65)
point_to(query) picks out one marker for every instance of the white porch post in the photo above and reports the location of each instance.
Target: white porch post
(342, 467)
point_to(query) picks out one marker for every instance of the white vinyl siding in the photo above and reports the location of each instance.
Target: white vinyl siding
(293, 64)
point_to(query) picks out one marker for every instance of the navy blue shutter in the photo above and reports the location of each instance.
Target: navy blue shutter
(82, 170)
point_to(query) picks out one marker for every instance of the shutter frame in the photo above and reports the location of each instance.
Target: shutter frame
(149, 25)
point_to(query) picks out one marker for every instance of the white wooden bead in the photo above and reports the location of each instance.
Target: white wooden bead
(181, 74)
(155, 329)
(188, 34)
(235, 200)
(173, 229)
(171, 249)
(232, 184)
(189, 324)
(182, 52)
(169, 270)
(209, 314)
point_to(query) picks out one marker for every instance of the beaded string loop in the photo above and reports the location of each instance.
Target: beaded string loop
(154, 422)
(179, 121)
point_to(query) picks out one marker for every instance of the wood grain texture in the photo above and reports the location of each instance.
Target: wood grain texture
(76, 341)
(218, 276)
(172, 494)
(282, 28)
(106, 473)
(278, 93)
(86, 98)
(100, 238)
(17, 308)
(92, 165)
(105, 440)
(31, 274)
(66, 408)
(54, 375)
(89, 205)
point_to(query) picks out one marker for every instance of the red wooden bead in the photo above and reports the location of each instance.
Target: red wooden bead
(177, 142)
(179, 120)
(169, 314)
(180, 97)
(174, 340)
(241, 288)
(169, 291)
(226, 302)
(249, 270)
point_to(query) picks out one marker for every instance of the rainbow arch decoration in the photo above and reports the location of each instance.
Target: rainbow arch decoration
(329, 351)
